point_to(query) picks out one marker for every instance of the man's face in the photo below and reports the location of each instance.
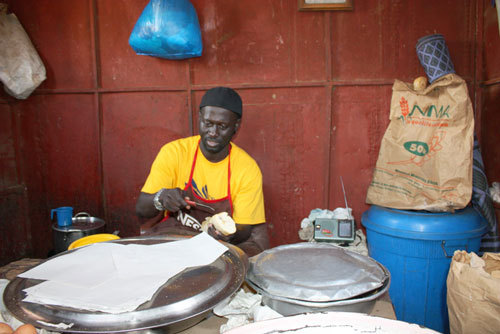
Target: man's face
(217, 126)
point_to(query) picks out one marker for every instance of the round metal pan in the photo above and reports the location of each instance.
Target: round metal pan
(184, 300)
(315, 272)
(288, 306)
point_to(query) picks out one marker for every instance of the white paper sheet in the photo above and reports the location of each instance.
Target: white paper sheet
(121, 278)
(114, 296)
(135, 259)
(89, 266)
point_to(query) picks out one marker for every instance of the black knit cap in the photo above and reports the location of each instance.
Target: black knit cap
(223, 97)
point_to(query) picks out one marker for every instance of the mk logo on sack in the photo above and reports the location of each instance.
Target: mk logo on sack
(438, 113)
(432, 116)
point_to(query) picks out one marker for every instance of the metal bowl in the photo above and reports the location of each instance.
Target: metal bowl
(315, 272)
(289, 306)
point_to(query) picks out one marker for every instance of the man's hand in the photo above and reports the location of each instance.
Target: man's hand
(171, 199)
(212, 231)
(254, 243)
(252, 239)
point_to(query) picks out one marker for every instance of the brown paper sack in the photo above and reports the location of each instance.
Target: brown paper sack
(425, 158)
(473, 293)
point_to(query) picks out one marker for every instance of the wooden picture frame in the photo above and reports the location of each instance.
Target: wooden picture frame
(325, 5)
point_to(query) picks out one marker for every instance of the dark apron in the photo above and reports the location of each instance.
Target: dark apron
(189, 221)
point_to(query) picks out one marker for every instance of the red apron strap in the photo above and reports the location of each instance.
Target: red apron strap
(229, 178)
(192, 166)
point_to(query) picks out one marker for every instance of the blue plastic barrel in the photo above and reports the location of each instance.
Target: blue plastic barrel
(416, 247)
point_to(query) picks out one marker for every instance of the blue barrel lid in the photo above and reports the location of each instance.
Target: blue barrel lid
(423, 225)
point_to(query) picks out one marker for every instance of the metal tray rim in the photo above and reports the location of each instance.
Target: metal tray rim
(234, 258)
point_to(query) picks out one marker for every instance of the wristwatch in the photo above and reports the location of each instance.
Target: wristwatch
(156, 200)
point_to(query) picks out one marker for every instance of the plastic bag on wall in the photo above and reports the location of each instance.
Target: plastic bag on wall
(21, 69)
(167, 29)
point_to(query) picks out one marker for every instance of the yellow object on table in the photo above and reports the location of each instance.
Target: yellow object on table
(91, 239)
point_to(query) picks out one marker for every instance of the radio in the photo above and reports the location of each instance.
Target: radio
(334, 230)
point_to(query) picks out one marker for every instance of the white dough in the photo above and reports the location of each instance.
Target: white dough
(222, 223)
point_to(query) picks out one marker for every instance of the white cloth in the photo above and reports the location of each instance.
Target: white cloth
(495, 192)
(243, 308)
(116, 278)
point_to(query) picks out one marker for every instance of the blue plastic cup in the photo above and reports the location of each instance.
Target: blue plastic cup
(64, 215)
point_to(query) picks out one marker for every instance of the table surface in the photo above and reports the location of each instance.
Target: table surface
(382, 308)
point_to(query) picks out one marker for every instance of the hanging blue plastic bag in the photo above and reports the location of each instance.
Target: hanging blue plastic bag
(167, 29)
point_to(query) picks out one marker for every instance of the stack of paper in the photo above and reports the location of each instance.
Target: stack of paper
(116, 278)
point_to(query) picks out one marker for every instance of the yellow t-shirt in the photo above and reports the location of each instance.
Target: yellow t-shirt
(172, 167)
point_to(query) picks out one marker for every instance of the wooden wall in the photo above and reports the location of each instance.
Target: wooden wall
(316, 88)
(490, 94)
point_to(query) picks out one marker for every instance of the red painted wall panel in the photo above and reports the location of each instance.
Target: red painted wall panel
(490, 137)
(134, 127)
(60, 158)
(490, 148)
(491, 43)
(490, 93)
(312, 58)
(68, 138)
(238, 49)
(377, 40)
(15, 237)
(14, 234)
(360, 118)
(37, 213)
(61, 33)
(8, 165)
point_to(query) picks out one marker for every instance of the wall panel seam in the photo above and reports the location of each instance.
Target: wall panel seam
(205, 87)
(329, 105)
(97, 101)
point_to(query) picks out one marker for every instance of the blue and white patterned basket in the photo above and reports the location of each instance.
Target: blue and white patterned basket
(434, 56)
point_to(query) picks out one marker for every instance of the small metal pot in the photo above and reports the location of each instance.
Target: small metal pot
(82, 225)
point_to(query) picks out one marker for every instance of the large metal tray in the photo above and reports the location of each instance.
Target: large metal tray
(183, 301)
